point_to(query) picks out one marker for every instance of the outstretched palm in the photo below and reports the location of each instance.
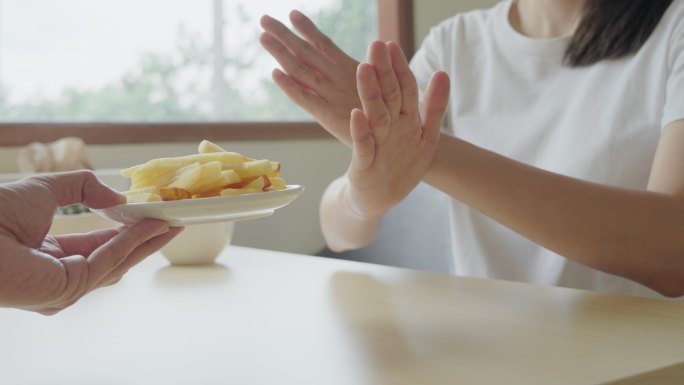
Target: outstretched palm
(318, 76)
(392, 145)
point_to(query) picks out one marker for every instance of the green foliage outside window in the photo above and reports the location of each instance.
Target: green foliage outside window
(177, 86)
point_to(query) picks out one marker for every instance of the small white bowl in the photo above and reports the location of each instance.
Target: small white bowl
(199, 244)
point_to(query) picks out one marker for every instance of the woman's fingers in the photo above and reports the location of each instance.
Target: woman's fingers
(316, 62)
(317, 75)
(293, 65)
(373, 103)
(406, 79)
(379, 57)
(388, 86)
(320, 41)
(434, 105)
(302, 58)
(302, 96)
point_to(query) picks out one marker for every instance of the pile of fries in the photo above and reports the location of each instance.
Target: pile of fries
(212, 172)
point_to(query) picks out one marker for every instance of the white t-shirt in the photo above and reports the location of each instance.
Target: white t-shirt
(512, 95)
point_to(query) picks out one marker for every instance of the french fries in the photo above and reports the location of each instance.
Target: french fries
(212, 172)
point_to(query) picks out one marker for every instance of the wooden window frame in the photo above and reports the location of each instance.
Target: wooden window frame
(395, 22)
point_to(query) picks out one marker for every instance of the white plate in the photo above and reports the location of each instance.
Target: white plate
(205, 210)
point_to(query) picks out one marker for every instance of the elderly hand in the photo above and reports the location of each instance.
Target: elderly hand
(318, 76)
(47, 274)
(393, 143)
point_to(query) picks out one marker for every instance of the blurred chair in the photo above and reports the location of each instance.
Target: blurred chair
(415, 234)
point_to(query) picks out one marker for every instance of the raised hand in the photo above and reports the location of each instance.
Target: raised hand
(318, 76)
(47, 274)
(392, 145)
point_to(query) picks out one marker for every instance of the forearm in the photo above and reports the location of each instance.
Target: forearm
(632, 233)
(342, 228)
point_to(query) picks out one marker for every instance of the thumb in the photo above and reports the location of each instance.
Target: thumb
(81, 187)
(435, 104)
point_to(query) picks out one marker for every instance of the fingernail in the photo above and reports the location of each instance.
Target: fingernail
(122, 199)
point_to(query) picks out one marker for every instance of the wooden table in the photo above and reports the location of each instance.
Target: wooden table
(263, 317)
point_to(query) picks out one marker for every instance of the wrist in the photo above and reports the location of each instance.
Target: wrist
(349, 208)
(445, 161)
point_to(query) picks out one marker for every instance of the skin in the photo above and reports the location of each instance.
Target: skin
(636, 234)
(47, 274)
(316, 74)
(392, 146)
(546, 19)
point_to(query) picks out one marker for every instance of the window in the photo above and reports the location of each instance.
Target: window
(158, 70)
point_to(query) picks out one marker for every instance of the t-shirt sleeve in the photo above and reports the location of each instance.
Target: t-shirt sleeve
(674, 97)
(428, 59)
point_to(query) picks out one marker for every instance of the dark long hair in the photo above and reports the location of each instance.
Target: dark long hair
(612, 29)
